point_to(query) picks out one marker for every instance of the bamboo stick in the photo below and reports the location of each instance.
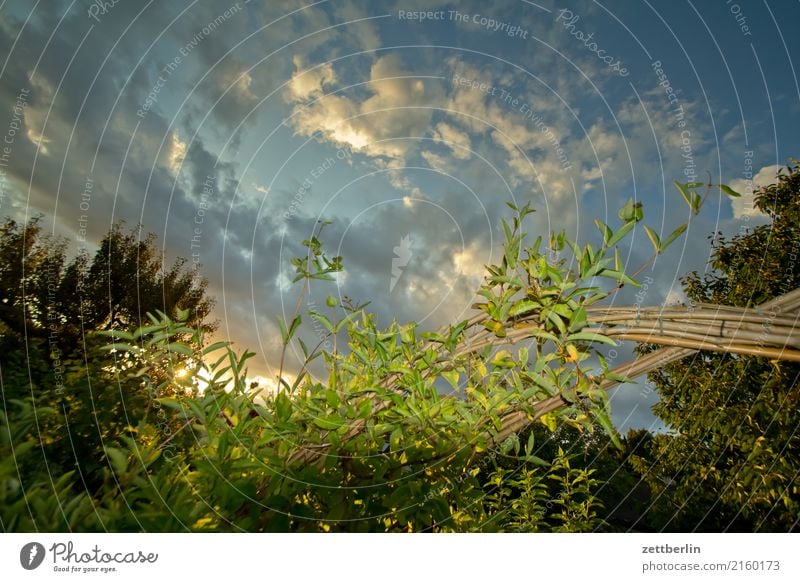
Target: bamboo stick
(783, 331)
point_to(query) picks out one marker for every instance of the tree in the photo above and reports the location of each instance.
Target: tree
(732, 459)
(50, 311)
(126, 279)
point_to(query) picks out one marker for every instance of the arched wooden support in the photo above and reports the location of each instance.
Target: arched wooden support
(772, 330)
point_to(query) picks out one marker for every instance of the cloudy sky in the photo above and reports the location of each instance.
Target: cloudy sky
(230, 129)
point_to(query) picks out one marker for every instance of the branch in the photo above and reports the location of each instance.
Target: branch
(518, 420)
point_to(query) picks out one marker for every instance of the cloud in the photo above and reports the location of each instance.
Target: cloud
(745, 205)
(176, 153)
(310, 83)
(376, 125)
(456, 140)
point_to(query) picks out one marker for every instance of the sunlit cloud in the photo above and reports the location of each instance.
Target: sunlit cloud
(745, 206)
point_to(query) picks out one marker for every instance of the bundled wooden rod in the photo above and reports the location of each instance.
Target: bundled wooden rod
(785, 307)
(771, 330)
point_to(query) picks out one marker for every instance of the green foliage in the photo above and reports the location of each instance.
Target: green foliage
(54, 368)
(181, 442)
(376, 447)
(733, 462)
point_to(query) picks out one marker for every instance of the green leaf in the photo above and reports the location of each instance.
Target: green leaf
(628, 212)
(618, 276)
(597, 267)
(604, 230)
(638, 212)
(529, 445)
(611, 375)
(214, 347)
(584, 264)
(452, 378)
(507, 231)
(588, 336)
(654, 238)
(524, 306)
(395, 438)
(621, 233)
(118, 459)
(345, 320)
(729, 191)
(578, 320)
(433, 337)
(503, 359)
(672, 237)
(284, 331)
(283, 406)
(696, 202)
(557, 321)
(326, 323)
(605, 421)
(541, 334)
(142, 331)
(332, 398)
(179, 349)
(407, 334)
(497, 328)
(684, 190)
(332, 422)
(119, 334)
(536, 460)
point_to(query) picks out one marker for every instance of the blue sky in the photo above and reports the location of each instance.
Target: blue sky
(409, 133)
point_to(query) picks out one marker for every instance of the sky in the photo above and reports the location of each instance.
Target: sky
(229, 129)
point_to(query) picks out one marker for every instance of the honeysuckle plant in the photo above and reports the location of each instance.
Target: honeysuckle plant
(377, 443)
